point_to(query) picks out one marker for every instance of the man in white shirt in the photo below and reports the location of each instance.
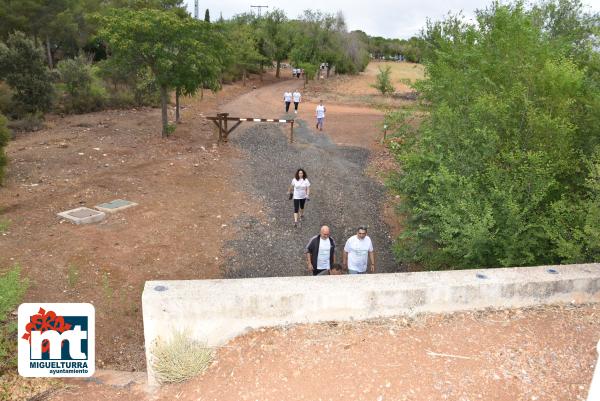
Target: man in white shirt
(358, 251)
(296, 96)
(287, 98)
(320, 252)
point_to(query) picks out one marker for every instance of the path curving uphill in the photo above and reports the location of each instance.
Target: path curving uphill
(342, 195)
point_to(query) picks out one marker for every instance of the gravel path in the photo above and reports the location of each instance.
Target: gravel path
(342, 196)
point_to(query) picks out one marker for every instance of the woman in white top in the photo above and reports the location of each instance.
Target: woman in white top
(320, 112)
(287, 98)
(296, 97)
(300, 188)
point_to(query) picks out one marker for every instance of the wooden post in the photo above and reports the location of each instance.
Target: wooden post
(225, 115)
(384, 132)
(292, 132)
(220, 116)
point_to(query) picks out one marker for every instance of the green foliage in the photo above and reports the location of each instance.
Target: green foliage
(12, 289)
(383, 82)
(23, 68)
(180, 52)
(4, 137)
(502, 171)
(84, 92)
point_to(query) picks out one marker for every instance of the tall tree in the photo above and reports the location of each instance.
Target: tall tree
(207, 16)
(181, 52)
(277, 37)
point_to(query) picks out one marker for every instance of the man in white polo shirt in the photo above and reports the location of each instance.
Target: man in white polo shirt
(358, 251)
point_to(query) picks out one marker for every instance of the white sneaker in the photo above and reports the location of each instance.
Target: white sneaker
(296, 111)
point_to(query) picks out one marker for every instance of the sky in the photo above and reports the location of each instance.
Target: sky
(399, 19)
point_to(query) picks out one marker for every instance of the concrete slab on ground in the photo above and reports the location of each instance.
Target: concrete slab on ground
(115, 206)
(82, 215)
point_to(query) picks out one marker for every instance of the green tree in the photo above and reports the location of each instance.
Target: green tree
(207, 16)
(503, 171)
(181, 52)
(22, 66)
(383, 83)
(276, 37)
(244, 48)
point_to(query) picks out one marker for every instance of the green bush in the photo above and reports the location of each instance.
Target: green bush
(6, 95)
(128, 88)
(12, 289)
(23, 67)
(384, 82)
(504, 170)
(83, 90)
(4, 137)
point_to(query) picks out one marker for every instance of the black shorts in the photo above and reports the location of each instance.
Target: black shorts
(299, 204)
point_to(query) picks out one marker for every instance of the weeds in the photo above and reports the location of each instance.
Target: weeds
(72, 276)
(12, 289)
(179, 359)
(4, 225)
(108, 291)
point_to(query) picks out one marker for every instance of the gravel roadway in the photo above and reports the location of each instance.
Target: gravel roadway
(342, 197)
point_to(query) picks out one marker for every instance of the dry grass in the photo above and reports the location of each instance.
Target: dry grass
(180, 358)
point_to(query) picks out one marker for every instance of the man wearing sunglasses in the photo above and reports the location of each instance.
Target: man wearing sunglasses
(358, 251)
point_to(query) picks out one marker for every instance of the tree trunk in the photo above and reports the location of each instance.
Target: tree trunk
(244, 77)
(327, 71)
(177, 116)
(49, 53)
(165, 118)
(261, 71)
(278, 67)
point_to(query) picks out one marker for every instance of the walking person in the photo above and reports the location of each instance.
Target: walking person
(299, 190)
(320, 252)
(320, 112)
(296, 96)
(287, 98)
(358, 251)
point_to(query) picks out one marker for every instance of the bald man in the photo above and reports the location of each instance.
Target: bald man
(320, 252)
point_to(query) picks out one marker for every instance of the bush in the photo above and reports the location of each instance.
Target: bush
(12, 289)
(179, 359)
(4, 137)
(384, 82)
(6, 95)
(23, 67)
(128, 88)
(83, 91)
(502, 172)
(29, 123)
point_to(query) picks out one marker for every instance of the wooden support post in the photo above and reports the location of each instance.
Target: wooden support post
(220, 117)
(225, 115)
(292, 132)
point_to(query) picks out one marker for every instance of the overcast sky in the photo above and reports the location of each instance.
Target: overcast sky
(388, 18)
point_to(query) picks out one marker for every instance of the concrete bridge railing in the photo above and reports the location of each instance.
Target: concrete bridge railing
(214, 311)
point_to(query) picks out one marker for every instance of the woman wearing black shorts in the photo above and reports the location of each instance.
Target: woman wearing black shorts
(299, 190)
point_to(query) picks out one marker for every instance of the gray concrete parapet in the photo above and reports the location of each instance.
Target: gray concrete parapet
(214, 311)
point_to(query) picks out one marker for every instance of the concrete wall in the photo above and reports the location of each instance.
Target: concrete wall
(214, 311)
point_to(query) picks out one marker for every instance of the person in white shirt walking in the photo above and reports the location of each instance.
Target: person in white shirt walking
(287, 98)
(320, 253)
(301, 192)
(296, 97)
(320, 111)
(358, 251)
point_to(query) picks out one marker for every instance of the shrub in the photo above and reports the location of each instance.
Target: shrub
(29, 123)
(179, 359)
(384, 82)
(12, 289)
(128, 87)
(4, 137)
(6, 95)
(23, 67)
(83, 91)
